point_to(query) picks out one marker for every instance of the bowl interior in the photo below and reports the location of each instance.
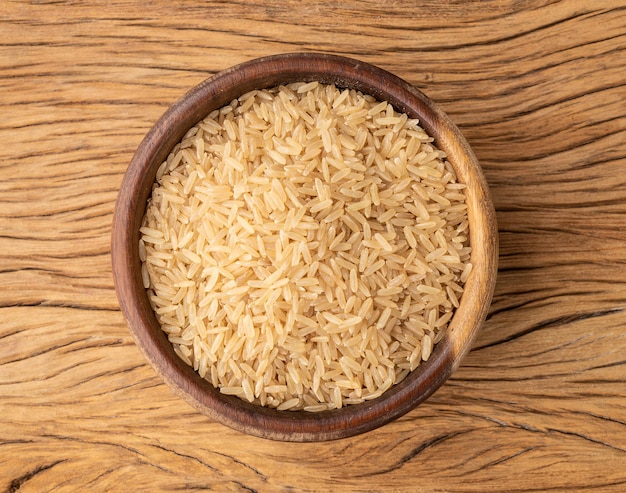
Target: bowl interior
(218, 91)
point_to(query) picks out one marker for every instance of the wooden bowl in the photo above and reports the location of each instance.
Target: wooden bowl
(302, 426)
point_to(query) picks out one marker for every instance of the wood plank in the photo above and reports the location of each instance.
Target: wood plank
(538, 89)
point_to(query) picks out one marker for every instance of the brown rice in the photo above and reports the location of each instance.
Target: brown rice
(305, 247)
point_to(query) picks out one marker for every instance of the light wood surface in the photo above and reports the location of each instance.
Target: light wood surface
(537, 87)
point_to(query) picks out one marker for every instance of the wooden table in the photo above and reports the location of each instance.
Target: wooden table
(538, 88)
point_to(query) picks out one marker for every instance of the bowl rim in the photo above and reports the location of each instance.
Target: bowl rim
(219, 90)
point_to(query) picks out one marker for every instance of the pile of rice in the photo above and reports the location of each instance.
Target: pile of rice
(305, 247)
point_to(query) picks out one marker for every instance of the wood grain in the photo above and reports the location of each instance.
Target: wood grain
(537, 88)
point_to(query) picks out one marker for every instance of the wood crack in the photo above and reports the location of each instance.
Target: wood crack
(433, 442)
(18, 482)
(550, 323)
